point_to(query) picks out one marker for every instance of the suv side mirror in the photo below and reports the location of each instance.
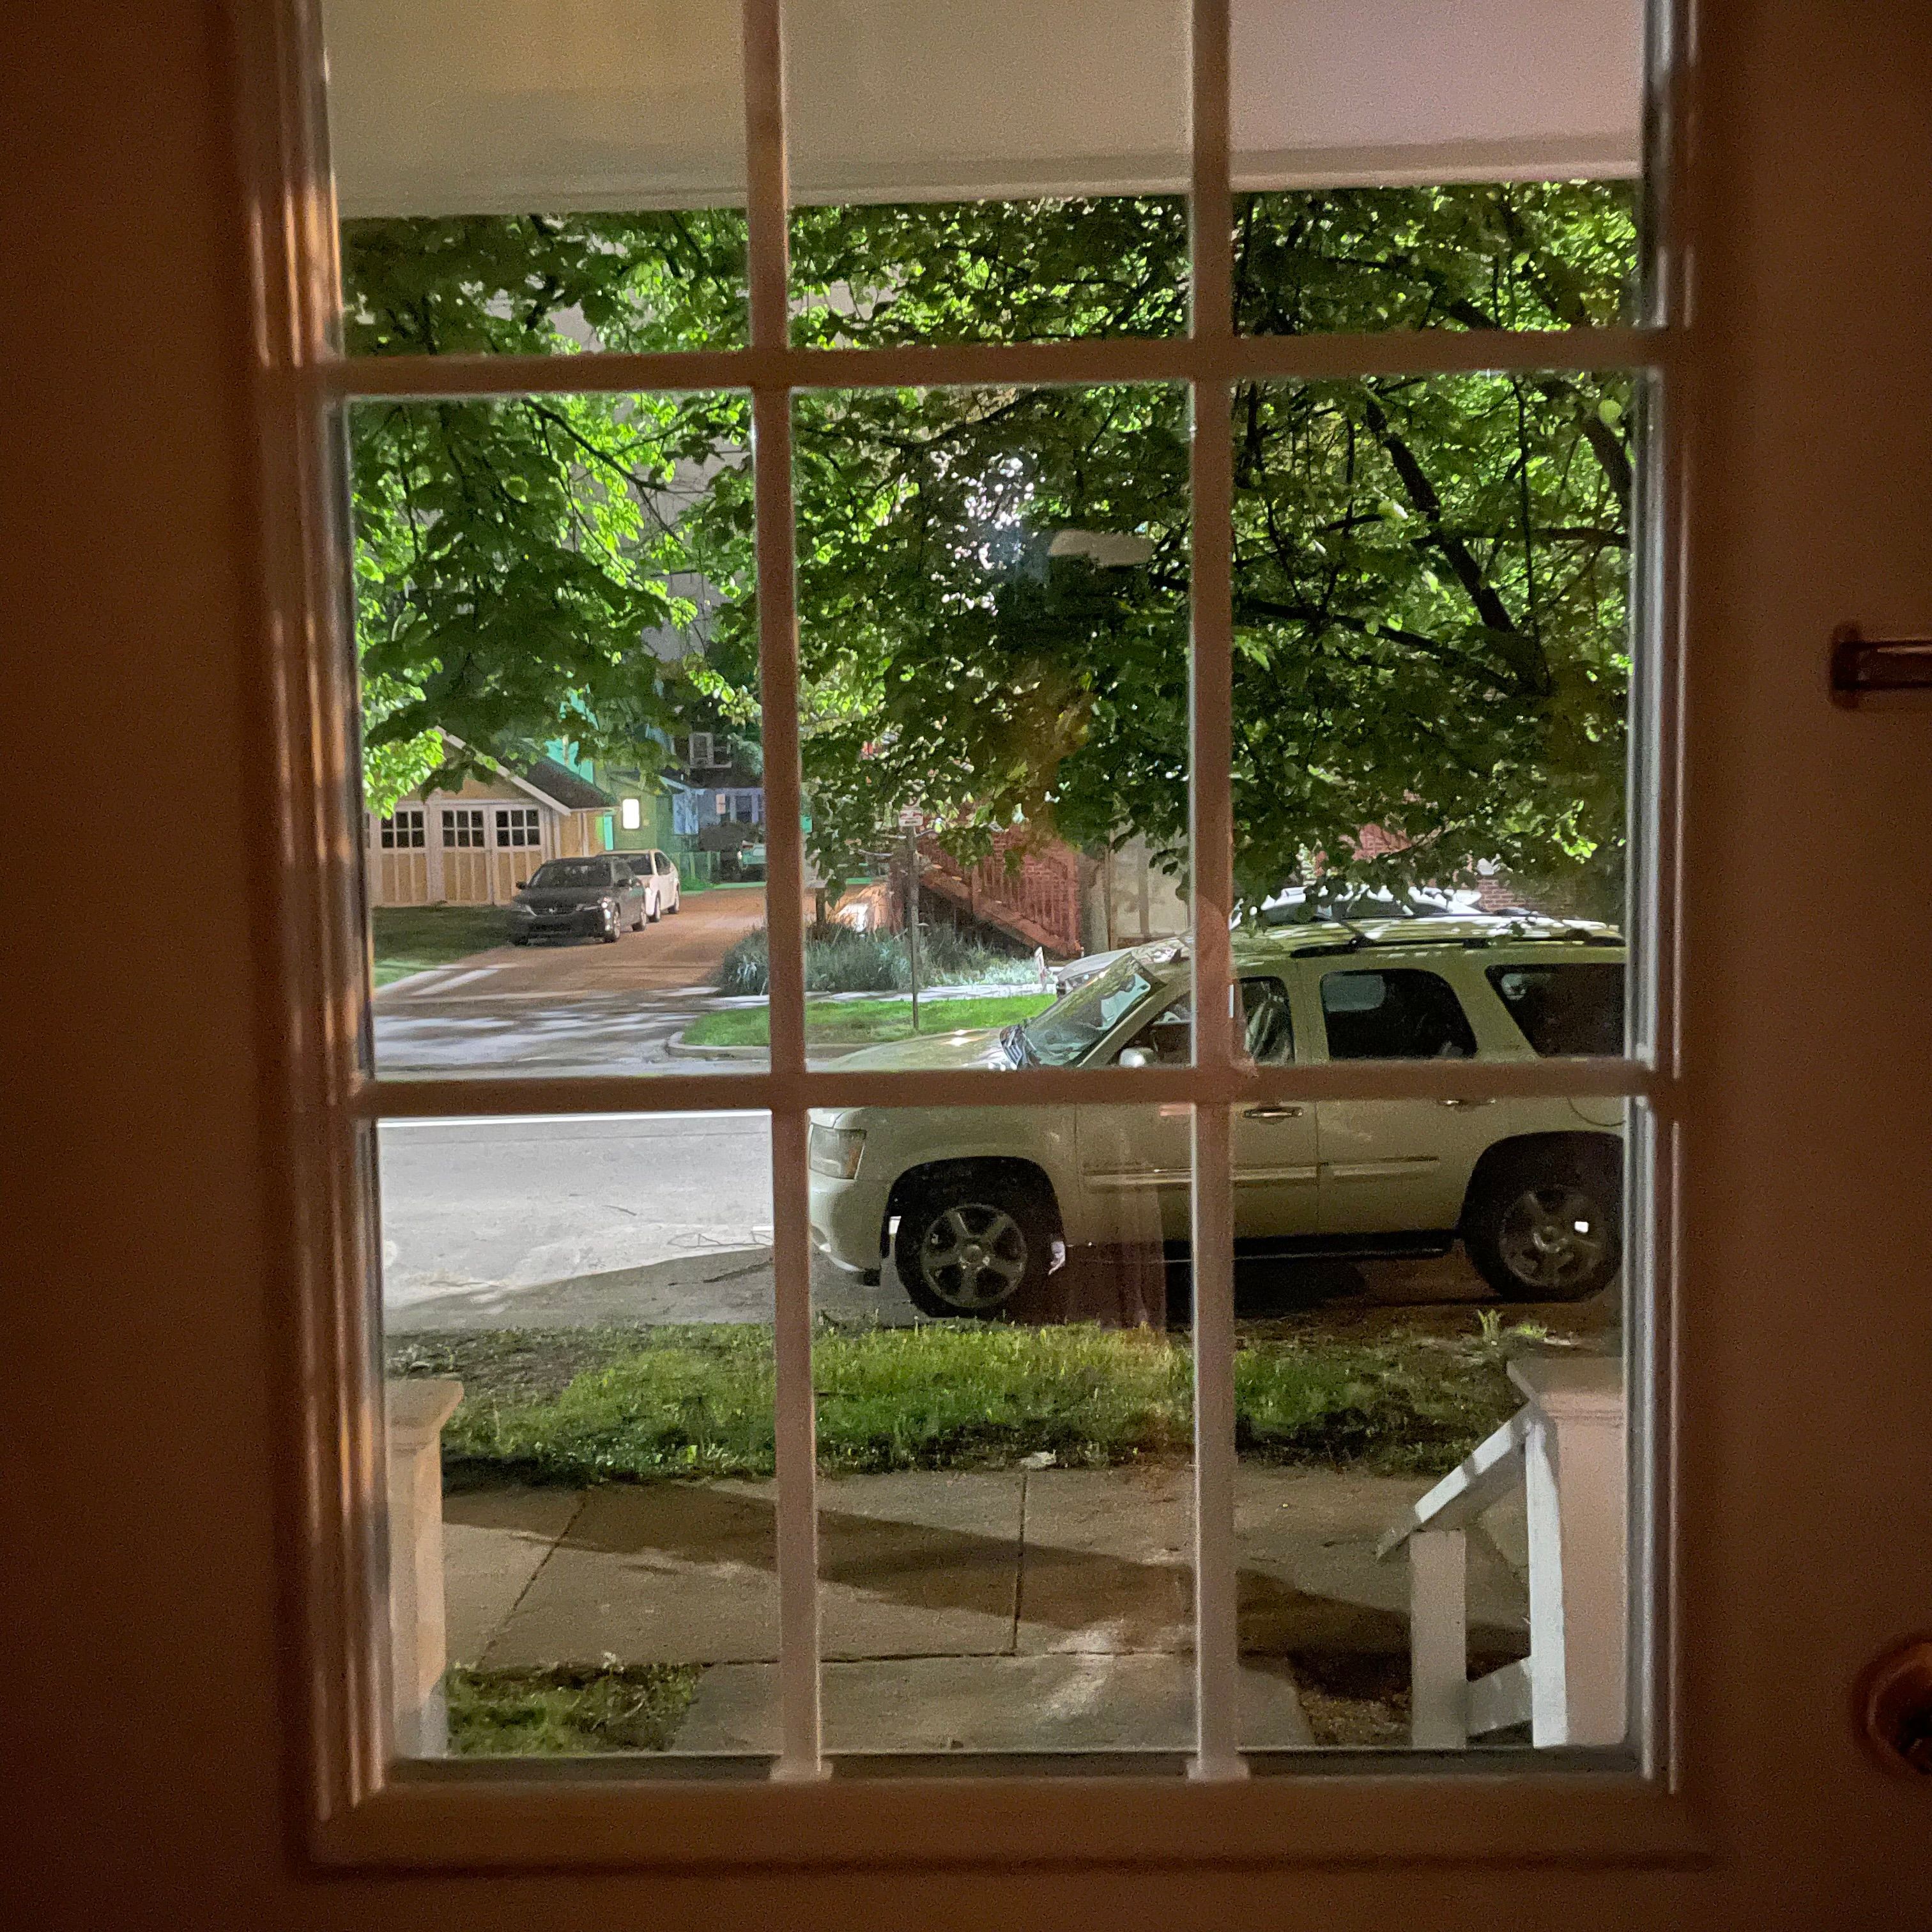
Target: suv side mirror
(522, 885)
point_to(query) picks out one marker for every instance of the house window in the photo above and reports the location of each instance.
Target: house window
(402, 830)
(1027, 639)
(632, 812)
(462, 827)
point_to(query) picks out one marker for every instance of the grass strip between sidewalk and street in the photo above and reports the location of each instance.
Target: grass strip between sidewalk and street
(578, 1407)
(861, 1022)
(412, 939)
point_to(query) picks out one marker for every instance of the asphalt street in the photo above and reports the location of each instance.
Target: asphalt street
(567, 1223)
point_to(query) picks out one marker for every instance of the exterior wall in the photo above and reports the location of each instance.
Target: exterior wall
(463, 860)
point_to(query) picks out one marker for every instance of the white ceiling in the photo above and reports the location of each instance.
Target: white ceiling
(479, 106)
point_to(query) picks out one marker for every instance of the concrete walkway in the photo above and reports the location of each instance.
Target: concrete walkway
(985, 1611)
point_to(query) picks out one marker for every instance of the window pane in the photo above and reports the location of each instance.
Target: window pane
(1004, 1423)
(1394, 1016)
(988, 172)
(1465, 1268)
(517, 177)
(1434, 666)
(993, 634)
(553, 602)
(1566, 1008)
(1406, 167)
(601, 1289)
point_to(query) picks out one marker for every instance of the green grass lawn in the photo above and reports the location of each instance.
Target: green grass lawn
(410, 939)
(578, 1407)
(566, 1709)
(861, 1022)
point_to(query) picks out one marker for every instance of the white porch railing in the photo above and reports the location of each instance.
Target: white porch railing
(1566, 1448)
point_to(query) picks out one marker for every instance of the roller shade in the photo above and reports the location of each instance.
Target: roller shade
(479, 106)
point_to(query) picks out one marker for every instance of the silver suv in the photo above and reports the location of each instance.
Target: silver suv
(976, 1204)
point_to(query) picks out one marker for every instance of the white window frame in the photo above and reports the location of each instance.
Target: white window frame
(513, 819)
(705, 739)
(365, 1805)
(406, 828)
(465, 828)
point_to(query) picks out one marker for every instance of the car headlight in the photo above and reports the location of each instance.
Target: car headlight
(519, 911)
(835, 1150)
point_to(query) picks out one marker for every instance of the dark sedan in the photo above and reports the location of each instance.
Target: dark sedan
(578, 898)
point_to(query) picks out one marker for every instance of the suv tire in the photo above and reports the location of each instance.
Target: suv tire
(970, 1244)
(1544, 1223)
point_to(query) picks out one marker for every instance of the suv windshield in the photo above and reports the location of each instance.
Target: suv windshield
(557, 872)
(1073, 1027)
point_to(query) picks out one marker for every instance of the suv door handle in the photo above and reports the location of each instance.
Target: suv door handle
(1270, 1113)
(1454, 1102)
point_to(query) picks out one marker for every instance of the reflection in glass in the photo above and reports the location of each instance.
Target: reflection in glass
(601, 1540)
(520, 178)
(984, 172)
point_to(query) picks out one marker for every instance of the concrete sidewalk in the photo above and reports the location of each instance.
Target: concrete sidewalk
(985, 1611)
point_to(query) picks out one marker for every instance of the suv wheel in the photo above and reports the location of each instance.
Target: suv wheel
(970, 1246)
(1543, 1225)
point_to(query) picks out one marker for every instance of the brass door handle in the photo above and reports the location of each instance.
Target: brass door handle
(1266, 1112)
(1894, 1707)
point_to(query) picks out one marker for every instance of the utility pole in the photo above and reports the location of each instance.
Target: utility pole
(912, 912)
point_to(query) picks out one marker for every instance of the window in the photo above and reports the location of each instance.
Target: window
(1269, 1034)
(462, 826)
(1180, 620)
(632, 812)
(1575, 1009)
(404, 830)
(1401, 1014)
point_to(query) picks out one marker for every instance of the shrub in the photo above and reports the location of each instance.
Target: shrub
(842, 961)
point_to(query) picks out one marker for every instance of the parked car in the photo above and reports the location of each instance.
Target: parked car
(659, 877)
(976, 1204)
(588, 898)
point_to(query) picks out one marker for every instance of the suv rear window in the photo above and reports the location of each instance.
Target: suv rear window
(1565, 1008)
(1402, 1014)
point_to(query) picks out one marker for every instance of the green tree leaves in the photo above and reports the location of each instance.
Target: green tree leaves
(1430, 573)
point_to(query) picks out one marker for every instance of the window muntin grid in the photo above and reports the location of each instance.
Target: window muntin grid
(1209, 359)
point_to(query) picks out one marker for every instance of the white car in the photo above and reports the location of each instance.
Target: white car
(659, 878)
(974, 1204)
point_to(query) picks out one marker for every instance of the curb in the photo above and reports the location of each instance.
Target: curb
(674, 1049)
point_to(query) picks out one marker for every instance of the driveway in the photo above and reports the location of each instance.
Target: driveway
(573, 1007)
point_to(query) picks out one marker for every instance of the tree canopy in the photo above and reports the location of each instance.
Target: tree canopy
(1429, 576)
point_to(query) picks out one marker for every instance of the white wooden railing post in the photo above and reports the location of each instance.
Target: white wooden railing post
(1566, 1449)
(1576, 1490)
(1438, 1642)
(418, 1407)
